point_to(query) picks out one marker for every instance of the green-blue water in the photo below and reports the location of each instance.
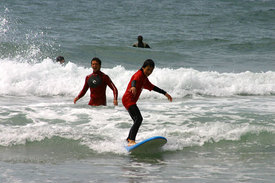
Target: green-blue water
(215, 58)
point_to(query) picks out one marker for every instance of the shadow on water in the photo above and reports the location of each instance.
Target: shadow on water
(143, 167)
(153, 158)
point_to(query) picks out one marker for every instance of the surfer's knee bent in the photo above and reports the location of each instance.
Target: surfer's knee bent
(139, 119)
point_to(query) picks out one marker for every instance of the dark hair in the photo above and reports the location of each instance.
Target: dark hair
(59, 58)
(149, 62)
(140, 38)
(97, 60)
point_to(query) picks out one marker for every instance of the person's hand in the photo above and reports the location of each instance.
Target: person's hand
(76, 99)
(169, 97)
(133, 90)
(115, 102)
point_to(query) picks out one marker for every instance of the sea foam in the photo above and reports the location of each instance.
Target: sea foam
(49, 78)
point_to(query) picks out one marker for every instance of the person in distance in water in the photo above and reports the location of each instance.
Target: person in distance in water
(60, 59)
(140, 43)
(97, 82)
(139, 81)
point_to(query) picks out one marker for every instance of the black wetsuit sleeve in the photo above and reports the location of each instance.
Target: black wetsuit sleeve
(157, 89)
(133, 83)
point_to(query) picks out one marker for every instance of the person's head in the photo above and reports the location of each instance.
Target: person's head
(148, 67)
(60, 59)
(139, 38)
(96, 64)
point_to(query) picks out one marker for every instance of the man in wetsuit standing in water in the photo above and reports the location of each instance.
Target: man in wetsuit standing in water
(97, 82)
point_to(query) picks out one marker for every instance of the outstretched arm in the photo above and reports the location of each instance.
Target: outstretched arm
(169, 97)
(157, 89)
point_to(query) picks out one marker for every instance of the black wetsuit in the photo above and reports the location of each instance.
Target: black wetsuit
(141, 45)
(137, 117)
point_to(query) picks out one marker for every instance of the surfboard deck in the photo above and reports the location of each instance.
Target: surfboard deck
(150, 145)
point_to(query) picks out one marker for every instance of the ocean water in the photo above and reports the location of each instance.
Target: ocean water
(216, 58)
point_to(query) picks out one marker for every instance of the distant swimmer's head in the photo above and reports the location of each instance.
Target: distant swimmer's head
(60, 59)
(148, 67)
(96, 64)
(140, 38)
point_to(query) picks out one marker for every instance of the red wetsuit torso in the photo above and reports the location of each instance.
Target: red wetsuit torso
(142, 81)
(97, 82)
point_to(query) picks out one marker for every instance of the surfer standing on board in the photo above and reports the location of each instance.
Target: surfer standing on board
(97, 82)
(139, 81)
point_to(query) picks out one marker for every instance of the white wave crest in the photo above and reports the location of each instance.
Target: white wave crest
(49, 78)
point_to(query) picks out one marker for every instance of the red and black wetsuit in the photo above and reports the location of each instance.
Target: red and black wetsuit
(139, 80)
(97, 82)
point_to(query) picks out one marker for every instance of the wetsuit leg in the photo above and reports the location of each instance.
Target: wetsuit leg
(137, 118)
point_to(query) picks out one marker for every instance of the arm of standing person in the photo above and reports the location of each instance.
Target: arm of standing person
(157, 89)
(83, 91)
(113, 87)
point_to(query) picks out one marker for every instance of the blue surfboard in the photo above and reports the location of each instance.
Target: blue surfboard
(150, 145)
